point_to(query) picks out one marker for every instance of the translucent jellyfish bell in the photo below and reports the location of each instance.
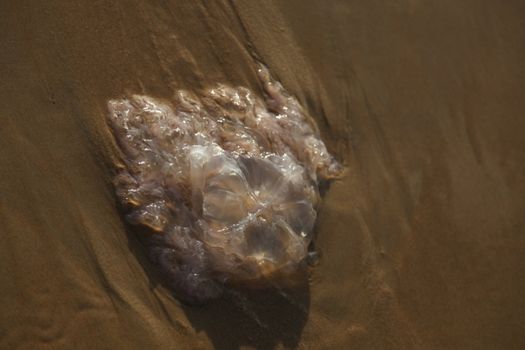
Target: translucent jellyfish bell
(228, 181)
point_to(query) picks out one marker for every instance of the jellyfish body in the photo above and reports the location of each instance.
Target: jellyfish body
(227, 181)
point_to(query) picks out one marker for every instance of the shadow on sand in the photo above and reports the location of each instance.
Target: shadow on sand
(257, 318)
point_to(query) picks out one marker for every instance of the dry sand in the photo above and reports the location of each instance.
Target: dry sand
(423, 242)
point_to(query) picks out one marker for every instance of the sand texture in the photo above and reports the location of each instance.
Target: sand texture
(422, 243)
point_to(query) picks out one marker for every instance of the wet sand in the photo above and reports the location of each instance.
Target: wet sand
(422, 243)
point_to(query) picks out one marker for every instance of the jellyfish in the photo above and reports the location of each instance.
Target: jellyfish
(227, 183)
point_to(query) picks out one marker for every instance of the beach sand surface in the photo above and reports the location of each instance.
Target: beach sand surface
(422, 242)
